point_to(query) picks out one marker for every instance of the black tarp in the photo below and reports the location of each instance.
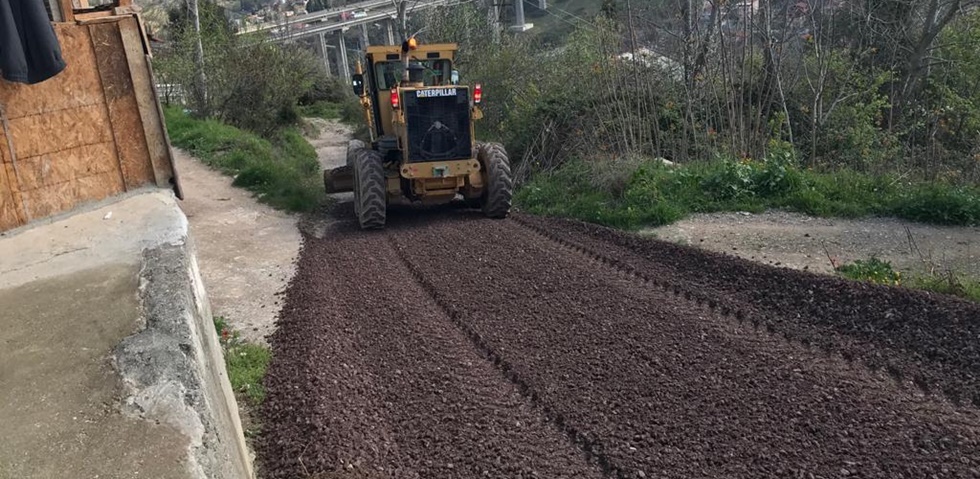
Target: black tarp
(29, 49)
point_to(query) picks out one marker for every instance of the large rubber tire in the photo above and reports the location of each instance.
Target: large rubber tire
(353, 147)
(370, 196)
(498, 187)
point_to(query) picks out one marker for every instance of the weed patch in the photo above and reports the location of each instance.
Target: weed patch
(872, 270)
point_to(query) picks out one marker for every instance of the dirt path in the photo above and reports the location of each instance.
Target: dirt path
(331, 141)
(801, 242)
(454, 346)
(247, 250)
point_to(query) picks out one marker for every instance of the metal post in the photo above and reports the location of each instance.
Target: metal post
(323, 52)
(391, 32)
(342, 63)
(543, 4)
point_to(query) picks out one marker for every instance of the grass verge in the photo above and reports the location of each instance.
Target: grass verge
(246, 363)
(283, 171)
(633, 193)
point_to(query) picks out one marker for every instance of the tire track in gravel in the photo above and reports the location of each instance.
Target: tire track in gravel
(657, 385)
(920, 338)
(369, 378)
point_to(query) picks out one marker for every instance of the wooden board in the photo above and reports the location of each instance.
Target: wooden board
(123, 109)
(153, 127)
(54, 199)
(78, 85)
(60, 130)
(63, 166)
(67, 11)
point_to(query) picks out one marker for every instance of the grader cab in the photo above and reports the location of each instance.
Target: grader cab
(423, 148)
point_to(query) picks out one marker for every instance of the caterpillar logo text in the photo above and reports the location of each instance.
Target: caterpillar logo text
(435, 93)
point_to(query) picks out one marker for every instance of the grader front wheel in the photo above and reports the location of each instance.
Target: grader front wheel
(370, 200)
(497, 180)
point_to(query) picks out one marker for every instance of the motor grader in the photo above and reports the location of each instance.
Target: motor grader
(423, 148)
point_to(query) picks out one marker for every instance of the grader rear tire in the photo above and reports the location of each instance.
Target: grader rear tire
(370, 197)
(498, 182)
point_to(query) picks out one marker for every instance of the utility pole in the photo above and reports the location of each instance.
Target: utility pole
(200, 80)
(403, 17)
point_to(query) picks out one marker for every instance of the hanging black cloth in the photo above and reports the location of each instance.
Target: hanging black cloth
(29, 49)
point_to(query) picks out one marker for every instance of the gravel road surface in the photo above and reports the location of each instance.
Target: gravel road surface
(449, 345)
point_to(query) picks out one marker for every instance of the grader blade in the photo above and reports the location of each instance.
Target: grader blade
(339, 180)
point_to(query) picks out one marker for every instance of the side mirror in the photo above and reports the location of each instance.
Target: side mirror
(358, 83)
(455, 77)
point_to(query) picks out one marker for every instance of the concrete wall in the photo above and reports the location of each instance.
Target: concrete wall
(155, 359)
(175, 369)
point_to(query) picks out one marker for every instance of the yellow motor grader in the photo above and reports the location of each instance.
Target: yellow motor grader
(423, 148)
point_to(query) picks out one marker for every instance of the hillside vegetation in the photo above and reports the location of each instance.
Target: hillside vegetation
(881, 96)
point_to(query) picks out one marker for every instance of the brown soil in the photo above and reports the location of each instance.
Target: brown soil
(454, 346)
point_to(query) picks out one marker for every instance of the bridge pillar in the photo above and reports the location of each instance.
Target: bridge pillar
(343, 65)
(323, 52)
(519, 24)
(365, 38)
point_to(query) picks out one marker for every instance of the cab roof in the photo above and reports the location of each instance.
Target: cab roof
(424, 51)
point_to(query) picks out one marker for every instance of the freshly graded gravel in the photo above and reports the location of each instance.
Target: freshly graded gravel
(449, 345)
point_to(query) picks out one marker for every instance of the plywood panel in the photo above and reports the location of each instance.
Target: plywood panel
(54, 199)
(134, 156)
(76, 86)
(11, 213)
(51, 169)
(153, 128)
(61, 130)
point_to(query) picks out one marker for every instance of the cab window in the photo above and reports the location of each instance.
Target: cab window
(437, 72)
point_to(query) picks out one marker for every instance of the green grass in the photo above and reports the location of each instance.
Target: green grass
(325, 110)
(631, 194)
(246, 364)
(283, 171)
